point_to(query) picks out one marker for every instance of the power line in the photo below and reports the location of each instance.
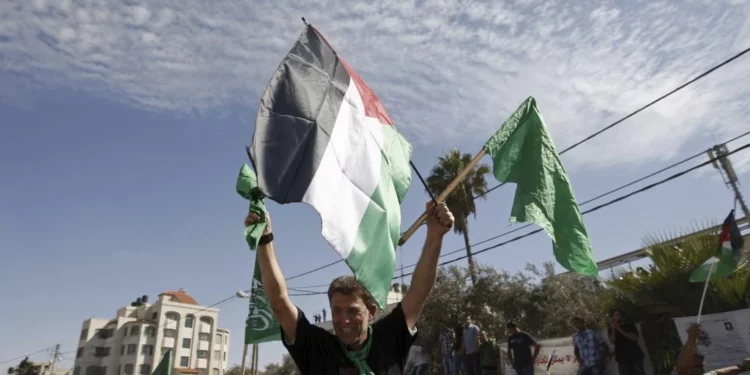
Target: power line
(673, 165)
(618, 199)
(641, 109)
(26, 355)
(588, 138)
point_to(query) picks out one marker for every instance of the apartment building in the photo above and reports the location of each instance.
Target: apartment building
(133, 342)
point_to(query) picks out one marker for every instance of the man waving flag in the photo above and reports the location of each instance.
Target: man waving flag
(322, 137)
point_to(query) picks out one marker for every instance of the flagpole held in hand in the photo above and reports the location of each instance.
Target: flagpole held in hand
(440, 198)
(705, 289)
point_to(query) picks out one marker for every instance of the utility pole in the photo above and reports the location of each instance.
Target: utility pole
(244, 358)
(55, 356)
(724, 165)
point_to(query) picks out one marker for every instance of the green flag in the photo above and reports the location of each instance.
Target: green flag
(727, 256)
(247, 187)
(522, 152)
(261, 324)
(165, 364)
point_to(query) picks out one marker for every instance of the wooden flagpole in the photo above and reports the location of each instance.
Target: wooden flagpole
(449, 189)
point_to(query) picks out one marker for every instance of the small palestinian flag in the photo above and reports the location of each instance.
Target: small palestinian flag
(727, 256)
(322, 137)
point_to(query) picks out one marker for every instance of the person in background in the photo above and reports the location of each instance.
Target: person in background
(628, 353)
(447, 348)
(589, 348)
(691, 362)
(324, 315)
(489, 355)
(519, 350)
(458, 360)
(470, 348)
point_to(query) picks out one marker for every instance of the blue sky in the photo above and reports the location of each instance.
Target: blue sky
(123, 127)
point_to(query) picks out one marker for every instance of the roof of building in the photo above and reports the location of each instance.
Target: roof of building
(180, 296)
(186, 370)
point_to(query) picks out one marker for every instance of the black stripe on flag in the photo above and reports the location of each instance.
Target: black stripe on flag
(296, 116)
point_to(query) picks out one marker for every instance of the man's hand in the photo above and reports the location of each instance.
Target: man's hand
(253, 218)
(439, 219)
(694, 331)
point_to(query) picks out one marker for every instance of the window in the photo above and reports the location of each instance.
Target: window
(184, 361)
(189, 322)
(150, 331)
(225, 356)
(101, 351)
(217, 354)
(135, 331)
(132, 349)
(155, 315)
(218, 339)
(84, 334)
(169, 332)
(119, 368)
(186, 343)
(105, 333)
(203, 354)
(204, 336)
(144, 369)
(172, 316)
(215, 371)
(147, 350)
(79, 354)
(129, 369)
(122, 350)
(77, 370)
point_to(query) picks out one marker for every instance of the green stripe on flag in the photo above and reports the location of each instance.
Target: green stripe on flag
(373, 258)
(522, 152)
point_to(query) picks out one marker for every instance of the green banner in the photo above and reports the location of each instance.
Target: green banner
(261, 324)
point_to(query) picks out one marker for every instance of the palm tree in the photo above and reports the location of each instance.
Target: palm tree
(461, 200)
(656, 294)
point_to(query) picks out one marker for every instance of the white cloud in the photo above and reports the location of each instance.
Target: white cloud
(444, 68)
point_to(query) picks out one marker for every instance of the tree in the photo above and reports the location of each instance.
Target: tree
(539, 301)
(662, 291)
(26, 367)
(286, 367)
(461, 200)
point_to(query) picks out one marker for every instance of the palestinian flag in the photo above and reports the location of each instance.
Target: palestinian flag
(322, 137)
(729, 254)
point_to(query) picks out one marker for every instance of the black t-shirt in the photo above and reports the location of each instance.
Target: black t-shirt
(625, 349)
(316, 351)
(520, 343)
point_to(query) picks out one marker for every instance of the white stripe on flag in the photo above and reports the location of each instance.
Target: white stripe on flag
(348, 173)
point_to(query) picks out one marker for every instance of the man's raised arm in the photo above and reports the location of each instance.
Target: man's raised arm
(439, 222)
(273, 281)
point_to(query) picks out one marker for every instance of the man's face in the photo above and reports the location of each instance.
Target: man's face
(483, 337)
(350, 317)
(468, 321)
(513, 330)
(616, 316)
(578, 324)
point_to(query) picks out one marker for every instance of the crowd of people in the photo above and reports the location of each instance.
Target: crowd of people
(468, 350)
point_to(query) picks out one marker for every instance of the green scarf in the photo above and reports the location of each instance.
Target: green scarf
(359, 357)
(247, 187)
